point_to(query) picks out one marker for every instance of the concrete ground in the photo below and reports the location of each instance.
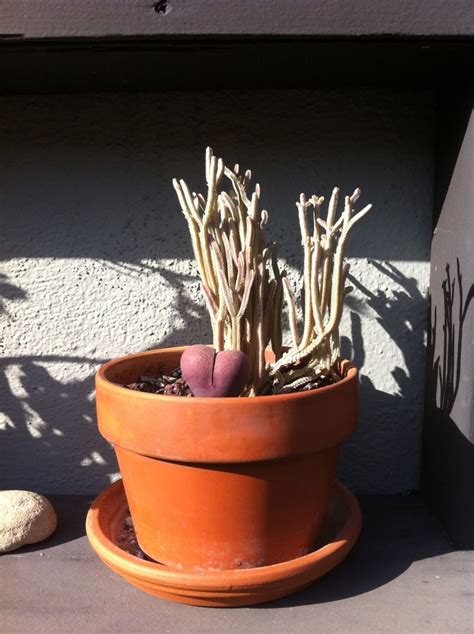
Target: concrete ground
(402, 577)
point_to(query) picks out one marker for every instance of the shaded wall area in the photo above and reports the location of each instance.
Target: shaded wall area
(96, 260)
(448, 458)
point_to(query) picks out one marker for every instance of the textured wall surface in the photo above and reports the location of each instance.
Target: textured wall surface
(96, 259)
(223, 17)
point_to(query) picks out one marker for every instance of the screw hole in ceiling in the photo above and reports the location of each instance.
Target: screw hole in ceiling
(160, 7)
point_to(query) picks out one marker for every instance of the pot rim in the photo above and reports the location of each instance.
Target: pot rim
(349, 369)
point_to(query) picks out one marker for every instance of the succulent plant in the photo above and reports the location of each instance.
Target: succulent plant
(211, 373)
(243, 286)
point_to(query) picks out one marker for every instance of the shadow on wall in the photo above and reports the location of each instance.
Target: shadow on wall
(48, 421)
(42, 417)
(187, 304)
(448, 452)
(446, 367)
(195, 323)
(402, 315)
(9, 291)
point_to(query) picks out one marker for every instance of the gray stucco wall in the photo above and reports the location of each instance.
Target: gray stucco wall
(96, 260)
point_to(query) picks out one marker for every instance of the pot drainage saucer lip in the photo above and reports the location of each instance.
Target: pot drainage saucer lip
(227, 588)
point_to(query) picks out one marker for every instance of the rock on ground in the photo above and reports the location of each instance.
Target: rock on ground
(25, 518)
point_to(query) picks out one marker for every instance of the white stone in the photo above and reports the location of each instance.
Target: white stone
(25, 518)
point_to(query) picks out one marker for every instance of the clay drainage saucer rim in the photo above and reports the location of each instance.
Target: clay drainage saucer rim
(218, 587)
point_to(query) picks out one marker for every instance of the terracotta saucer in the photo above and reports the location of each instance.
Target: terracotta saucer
(228, 588)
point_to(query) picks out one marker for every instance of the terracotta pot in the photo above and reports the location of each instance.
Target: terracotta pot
(223, 483)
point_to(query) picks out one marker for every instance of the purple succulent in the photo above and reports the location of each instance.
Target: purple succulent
(211, 373)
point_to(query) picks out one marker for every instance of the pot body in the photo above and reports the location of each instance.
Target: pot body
(223, 483)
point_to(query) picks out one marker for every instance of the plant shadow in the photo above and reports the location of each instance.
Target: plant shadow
(448, 452)
(397, 414)
(48, 431)
(42, 416)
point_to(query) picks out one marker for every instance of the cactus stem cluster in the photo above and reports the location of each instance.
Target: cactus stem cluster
(243, 286)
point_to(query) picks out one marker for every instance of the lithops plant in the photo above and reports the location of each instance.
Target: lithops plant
(243, 286)
(211, 373)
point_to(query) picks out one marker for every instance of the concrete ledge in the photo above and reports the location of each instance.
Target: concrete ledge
(403, 576)
(116, 19)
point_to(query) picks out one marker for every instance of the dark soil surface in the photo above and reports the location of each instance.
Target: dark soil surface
(173, 384)
(127, 539)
